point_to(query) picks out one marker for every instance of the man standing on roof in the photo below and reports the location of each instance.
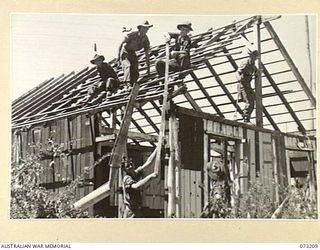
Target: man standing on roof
(245, 72)
(132, 182)
(133, 42)
(180, 56)
(110, 82)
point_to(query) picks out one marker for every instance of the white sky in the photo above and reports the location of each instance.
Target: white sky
(47, 45)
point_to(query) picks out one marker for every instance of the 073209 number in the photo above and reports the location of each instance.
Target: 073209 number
(308, 245)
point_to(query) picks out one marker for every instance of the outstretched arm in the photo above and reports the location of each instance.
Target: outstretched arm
(144, 181)
(149, 162)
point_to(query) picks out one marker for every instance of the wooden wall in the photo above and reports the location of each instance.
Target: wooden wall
(74, 141)
(74, 138)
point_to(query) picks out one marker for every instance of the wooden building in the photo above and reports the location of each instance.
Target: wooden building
(202, 125)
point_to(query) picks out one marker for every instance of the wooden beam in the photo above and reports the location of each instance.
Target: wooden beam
(192, 102)
(177, 168)
(226, 91)
(213, 104)
(56, 92)
(222, 136)
(140, 129)
(272, 122)
(18, 109)
(258, 79)
(156, 107)
(76, 110)
(275, 167)
(121, 140)
(164, 110)
(290, 62)
(70, 147)
(95, 196)
(154, 126)
(208, 116)
(131, 135)
(283, 99)
(171, 169)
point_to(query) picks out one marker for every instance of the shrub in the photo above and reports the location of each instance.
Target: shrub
(31, 200)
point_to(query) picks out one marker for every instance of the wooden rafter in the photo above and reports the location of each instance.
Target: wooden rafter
(210, 45)
(226, 91)
(283, 99)
(142, 112)
(290, 62)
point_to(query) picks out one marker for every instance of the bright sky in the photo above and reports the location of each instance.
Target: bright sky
(48, 45)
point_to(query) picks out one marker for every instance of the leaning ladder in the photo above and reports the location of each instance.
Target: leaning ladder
(108, 188)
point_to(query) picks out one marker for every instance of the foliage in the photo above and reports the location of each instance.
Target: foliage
(29, 199)
(259, 202)
(300, 205)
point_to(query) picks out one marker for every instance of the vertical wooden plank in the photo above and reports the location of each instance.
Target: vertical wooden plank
(172, 168)
(187, 194)
(251, 157)
(258, 79)
(91, 176)
(240, 132)
(58, 159)
(288, 167)
(162, 193)
(183, 187)
(193, 205)
(216, 127)
(262, 173)
(177, 168)
(85, 134)
(205, 171)
(44, 145)
(223, 128)
(156, 194)
(210, 127)
(229, 130)
(198, 194)
(166, 190)
(236, 131)
(152, 197)
(268, 159)
(245, 162)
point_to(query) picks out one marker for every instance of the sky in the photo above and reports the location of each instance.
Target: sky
(48, 45)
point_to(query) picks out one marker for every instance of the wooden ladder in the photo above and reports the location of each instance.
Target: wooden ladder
(121, 139)
(108, 188)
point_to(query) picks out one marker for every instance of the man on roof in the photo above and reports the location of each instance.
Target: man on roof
(133, 42)
(110, 82)
(245, 73)
(132, 183)
(180, 55)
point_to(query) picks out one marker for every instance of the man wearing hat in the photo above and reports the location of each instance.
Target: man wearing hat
(218, 198)
(180, 56)
(132, 182)
(133, 42)
(245, 72)
(110, 82)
